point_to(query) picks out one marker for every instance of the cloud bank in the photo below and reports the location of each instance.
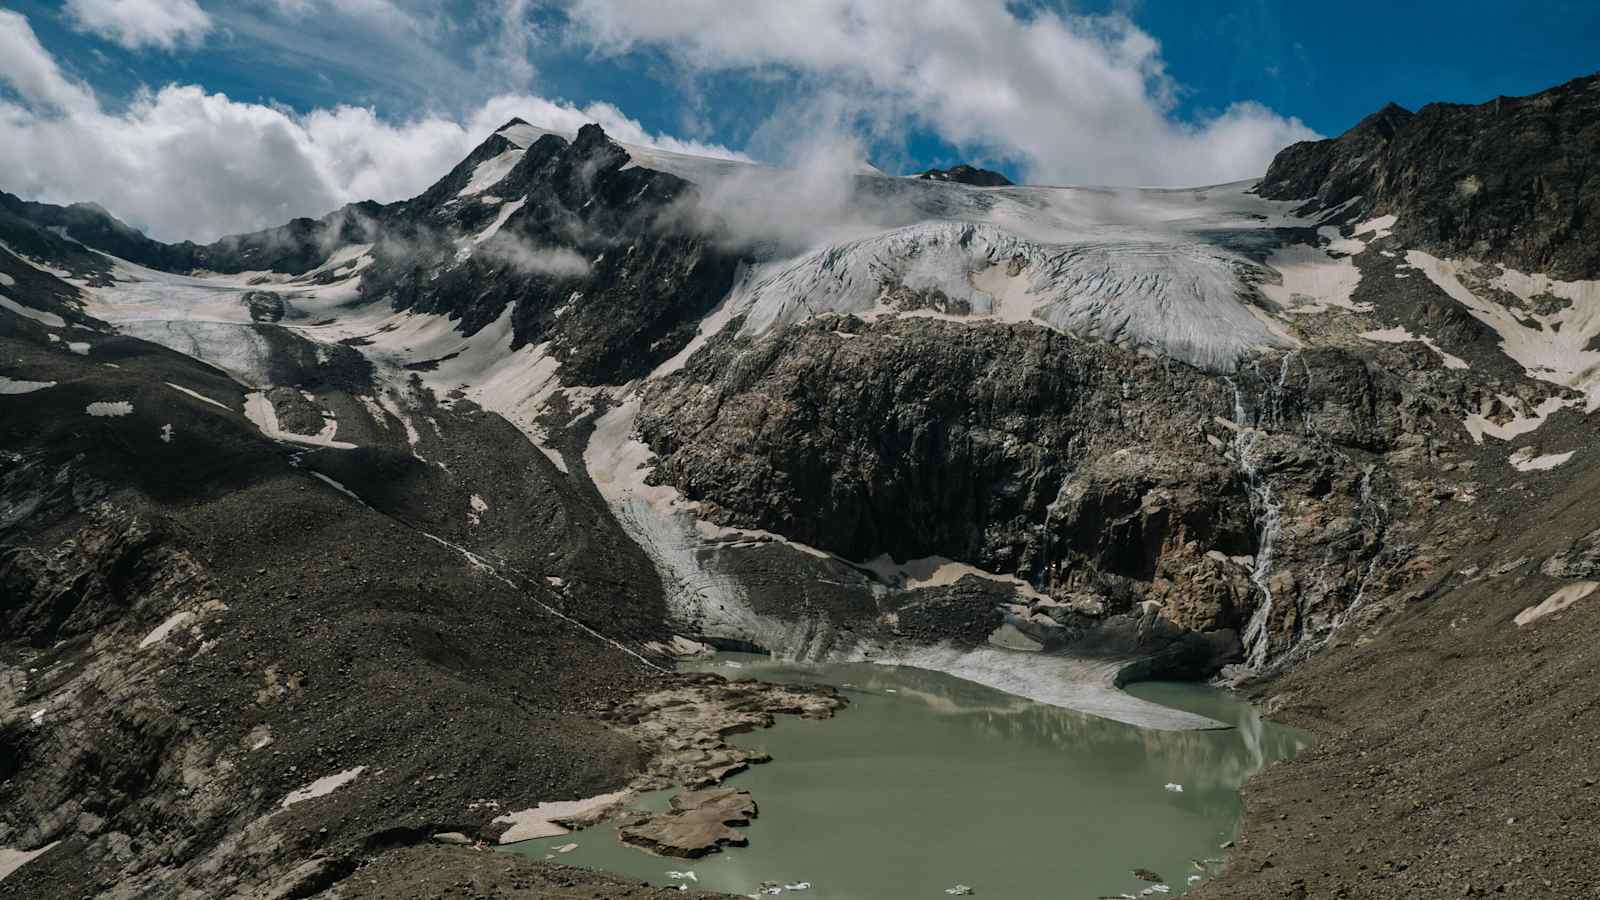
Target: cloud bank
(137, 24)
(1080, 99)
(184, 163)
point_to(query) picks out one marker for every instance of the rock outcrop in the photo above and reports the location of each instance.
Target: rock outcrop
(965, 174)
(698, 823)
(1512, 180)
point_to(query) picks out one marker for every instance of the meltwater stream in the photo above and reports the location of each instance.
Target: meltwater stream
(926, 781)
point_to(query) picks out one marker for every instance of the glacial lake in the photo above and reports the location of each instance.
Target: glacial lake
(926, 781)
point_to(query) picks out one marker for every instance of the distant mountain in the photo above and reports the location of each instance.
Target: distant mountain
(965, 174)
(294, 248)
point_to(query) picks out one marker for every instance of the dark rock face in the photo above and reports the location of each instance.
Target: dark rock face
(1103, 478)
(919, 438)
(965, 174)
(1515, 180)
(603, 262)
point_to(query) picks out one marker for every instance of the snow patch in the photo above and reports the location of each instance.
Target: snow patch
(161, 632)
(1521, 422)
(494, 227)
(166, 433)
(1526, 459)
(936, 571)
(491, 172)
(7, 280)
(12, 860)
(542, 820)
(522, 134)
(1399, 335)
(18, 386)
(79, 347)
(322, 787)
(1557, 601)
(258, 409)
(476, 507)
(337, 486)
(110, 408)
(47, 319)
(197, 395)
(1555, 347)
(1312, 281)
(1379, 227)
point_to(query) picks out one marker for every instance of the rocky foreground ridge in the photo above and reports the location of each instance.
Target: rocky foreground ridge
(319, 542)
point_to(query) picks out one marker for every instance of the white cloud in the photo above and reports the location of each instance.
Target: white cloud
(557, 262)
(1072, 99)
(27, 68)
(136, 24)
(184, 163)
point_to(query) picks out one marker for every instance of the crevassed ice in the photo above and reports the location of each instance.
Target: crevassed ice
(1183, 298)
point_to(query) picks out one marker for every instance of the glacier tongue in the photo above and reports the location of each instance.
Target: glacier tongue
(1179, 297)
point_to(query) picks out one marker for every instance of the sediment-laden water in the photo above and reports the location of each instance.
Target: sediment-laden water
(926, 782)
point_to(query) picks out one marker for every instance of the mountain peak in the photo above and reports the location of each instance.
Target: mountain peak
(965, 174)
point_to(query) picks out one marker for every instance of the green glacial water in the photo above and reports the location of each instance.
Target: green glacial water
(926, 781)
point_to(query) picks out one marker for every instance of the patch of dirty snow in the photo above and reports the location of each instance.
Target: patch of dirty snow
(109, 408)
(1557, 601)
(197, 395)
(173, 623)
(1313, 281)
(7, 280)
(79, 347)
(12, 860)
(542, 820)
(491, 172)
(1553, 347)
(166, 433)
(1379, 227)
(476, 507)
(937, 571)
(1526, 459)
(336, 486)
(494, 227)
(1399, 335)
(1521, 422)
(260, 736)
(18, 386)
(258, 409)
(48, 319)
(322, 787)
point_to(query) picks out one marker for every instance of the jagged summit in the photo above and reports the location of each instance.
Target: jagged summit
(1509, 180)
(965, 174)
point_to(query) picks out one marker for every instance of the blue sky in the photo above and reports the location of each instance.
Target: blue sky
(1112, 91)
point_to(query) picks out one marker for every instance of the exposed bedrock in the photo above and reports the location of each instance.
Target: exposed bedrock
(1511, 180)
(1125, 489)
(599, 258)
